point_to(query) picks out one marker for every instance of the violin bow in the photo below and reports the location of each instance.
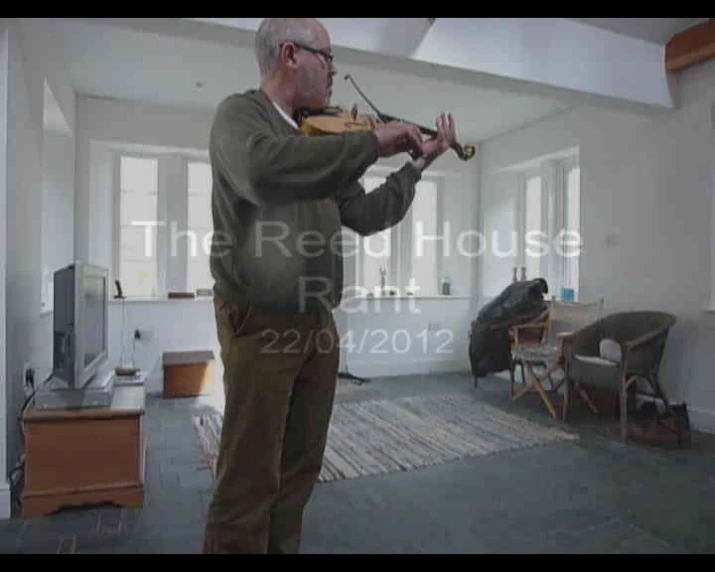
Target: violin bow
(384, 118)
(464, 153)
(387, 118)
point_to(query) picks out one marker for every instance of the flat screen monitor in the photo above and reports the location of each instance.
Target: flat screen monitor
(80, 332)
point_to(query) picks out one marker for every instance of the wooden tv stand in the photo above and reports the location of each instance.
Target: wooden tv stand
(85, 456)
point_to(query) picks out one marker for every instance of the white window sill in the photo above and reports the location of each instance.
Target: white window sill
(406, 297)
(155, 299)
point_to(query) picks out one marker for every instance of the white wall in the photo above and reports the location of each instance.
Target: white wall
(24, 186)
(100, 122)
(57, 204)
(103, 124)
(99, 203)
(646, 199)
(5, 501)
(168, 325)
(384, 337)
(499, 204)
(379, 337)
(33, 58)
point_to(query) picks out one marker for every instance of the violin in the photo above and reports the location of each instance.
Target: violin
(333, 120)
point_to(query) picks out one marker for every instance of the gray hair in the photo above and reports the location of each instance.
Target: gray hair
(273, 32)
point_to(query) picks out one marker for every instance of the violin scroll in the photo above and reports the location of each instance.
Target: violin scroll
(464, 152)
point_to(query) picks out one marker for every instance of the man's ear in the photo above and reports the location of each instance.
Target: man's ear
(287, 55)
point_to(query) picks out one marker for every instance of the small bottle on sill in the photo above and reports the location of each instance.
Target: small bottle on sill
(446, 286)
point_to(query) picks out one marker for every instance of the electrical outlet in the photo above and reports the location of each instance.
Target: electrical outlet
(433, 326)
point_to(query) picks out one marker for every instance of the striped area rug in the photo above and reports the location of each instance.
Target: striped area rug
(385, 436)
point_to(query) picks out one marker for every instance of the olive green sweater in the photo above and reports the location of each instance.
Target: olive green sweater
(280, 199)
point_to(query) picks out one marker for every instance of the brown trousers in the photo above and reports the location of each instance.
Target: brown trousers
(280, 373)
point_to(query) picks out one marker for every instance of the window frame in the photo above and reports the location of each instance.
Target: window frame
(565, 166)
(523, 181)
(172, 206)
(172, 274)
(187, 161)
(116, 160)
(401, 243)
(554, 217)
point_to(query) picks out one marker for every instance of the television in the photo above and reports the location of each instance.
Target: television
(80, 344)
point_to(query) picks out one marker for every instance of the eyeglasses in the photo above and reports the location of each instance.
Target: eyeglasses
(326, 55)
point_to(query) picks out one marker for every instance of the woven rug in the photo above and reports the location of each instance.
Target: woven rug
(385, 436)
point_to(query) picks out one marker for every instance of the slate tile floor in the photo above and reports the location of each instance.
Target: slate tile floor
(595, 495)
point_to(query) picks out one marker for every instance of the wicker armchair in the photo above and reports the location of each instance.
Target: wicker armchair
(616, 351)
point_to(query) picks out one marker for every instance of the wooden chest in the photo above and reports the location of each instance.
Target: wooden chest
(188, 373)
(85, 456)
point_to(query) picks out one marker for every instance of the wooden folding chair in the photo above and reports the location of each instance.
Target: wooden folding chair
(564, 318)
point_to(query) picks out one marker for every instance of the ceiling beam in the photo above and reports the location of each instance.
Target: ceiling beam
(690, 47)
(586, 64)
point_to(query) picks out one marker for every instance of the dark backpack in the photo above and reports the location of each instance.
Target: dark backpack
(489, 344)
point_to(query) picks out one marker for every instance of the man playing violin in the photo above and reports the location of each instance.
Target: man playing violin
(279, 202)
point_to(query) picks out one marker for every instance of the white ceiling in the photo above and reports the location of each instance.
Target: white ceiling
(655, 30)
(110, 61)
(123, 61)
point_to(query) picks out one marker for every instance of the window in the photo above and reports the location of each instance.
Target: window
(199, 225)
(533, 227)
(379, 257)
(138, 186)
(408, 253)
(425, 239)
(164, 226)
(163, 222)
(549, 223)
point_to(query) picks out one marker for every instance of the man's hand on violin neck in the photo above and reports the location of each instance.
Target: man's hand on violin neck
(395, 137)
(436, 146)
